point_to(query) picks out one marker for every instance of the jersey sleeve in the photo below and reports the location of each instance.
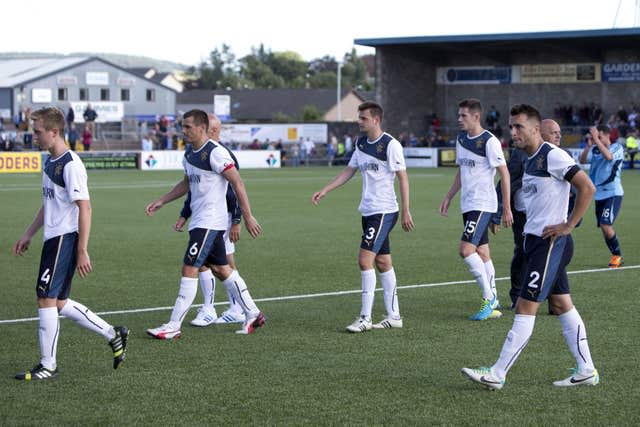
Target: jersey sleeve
(559, 163)
(617, 152)
(495, 156)
(75, 179)
(220, 160)
(395, 156)
(353, 162)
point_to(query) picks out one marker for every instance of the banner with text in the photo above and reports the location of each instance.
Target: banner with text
(621, 72)
(273, 132)
(172, 160)
(472, 75)
(107, 111)
(21, 162)
(421, 157)
(556, 73)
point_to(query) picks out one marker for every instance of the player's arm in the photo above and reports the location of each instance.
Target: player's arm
(344, 176)
(505, 187)
(455, 187)
(23, 243)
(179, 190)
(185, 213)
(604, 149)
(84, 229)
(237, 184)
(403, 182)
(585, 191)
(236, 215)
(584, 156)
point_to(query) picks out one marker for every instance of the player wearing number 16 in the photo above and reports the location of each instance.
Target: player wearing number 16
(479, 155)
(380, 159)
(208, 170)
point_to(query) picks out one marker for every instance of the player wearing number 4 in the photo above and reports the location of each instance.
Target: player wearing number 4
(380, 159)
(208, 168)
(549, 174)
(66, 217)
(606, 167)
(479, 154)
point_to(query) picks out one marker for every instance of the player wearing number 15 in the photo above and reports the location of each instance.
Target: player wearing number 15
(208, 170)
(66, 217)
(380, 159)
(479, 154)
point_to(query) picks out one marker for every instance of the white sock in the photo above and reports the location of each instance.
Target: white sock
(208, 287)
(87, 319)
(388, 280)
(186, 295)
(48, 335)
(241, 293)
(368, 289)
(476, 267)
(234, 307)
(491, 277)
(517, 339)
(575, 335)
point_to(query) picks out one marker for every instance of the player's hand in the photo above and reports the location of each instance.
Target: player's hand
(84, 263)
(253, 227)
(494, 228)
(153, 207)
(507, 217)
(444, 206)
(315, 199)
(234, 233)
(407, 221)
(179, 225)
(593, 131)
(557, 230)
(21, 246)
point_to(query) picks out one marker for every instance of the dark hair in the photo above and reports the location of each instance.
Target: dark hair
(604, 129)
(51, 117)
(530, 111)
(374, 107)
(472, 104)
(199, 118)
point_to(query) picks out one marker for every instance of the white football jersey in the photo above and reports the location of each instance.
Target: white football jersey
(378, 162)
(64, 180)
(478, 157)
(208, 187)
(545, 189)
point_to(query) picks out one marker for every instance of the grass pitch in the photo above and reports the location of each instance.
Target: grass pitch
(302, 368)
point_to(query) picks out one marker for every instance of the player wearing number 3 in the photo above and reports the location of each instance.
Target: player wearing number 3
(479, 154)
(380, 159)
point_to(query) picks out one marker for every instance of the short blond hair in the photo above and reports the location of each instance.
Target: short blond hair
(51, 117)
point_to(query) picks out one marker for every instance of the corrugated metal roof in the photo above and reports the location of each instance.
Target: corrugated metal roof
(16, 71)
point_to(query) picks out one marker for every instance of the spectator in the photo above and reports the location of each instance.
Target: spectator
(310, 149)
(147, 142)
(348, 144)
(71, 118)
(632, 146)
(73, 136)
(90, 117)
(87, 138)
(331, 152)
(295, 154)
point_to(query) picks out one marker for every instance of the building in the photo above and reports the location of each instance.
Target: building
(419, 76)
(114, 92)
(275, 105)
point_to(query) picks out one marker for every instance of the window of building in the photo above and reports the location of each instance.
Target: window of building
(151, 95)
(104, 94)
(62, 94)
(84, 94)
(125, 95)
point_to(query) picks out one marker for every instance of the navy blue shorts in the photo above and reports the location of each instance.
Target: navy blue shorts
(375, 232)
(607, 210)
(547, 261)
(57, 265)
(476, 227)
(205, 247)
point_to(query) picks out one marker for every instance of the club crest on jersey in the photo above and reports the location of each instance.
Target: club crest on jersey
(479, 143)
(58, 169)
(204, 155)
(379, 148)
(540, 162)
(361, 146)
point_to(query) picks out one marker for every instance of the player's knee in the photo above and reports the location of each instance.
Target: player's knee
(222, 272)
(383, 262)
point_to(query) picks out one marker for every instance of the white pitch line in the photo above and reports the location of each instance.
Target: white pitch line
(322, 294)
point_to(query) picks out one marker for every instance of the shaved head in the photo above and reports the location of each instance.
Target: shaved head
(214, 127)
(550, 131)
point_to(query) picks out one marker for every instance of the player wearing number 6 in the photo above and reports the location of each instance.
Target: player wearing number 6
(548, 176)
(479, 154)
(208, 170)
(66, 217)
(380, 159)
(606, 167)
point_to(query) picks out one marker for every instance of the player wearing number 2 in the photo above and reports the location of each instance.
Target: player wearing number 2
(380, 159)
(479, 154)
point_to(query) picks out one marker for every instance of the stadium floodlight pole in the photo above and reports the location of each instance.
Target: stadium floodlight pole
(339, 89)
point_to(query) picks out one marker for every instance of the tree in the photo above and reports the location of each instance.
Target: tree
(310, 114)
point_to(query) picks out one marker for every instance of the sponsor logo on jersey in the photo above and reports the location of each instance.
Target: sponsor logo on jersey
(531, 188)
(468, 162)
(370, 167)
(48, 193)
(195, 178)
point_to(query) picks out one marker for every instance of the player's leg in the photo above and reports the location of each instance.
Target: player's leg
(518, 262)
(201, 241)
(207, 313)
(607, 212)
(485, 255)
(234, 314)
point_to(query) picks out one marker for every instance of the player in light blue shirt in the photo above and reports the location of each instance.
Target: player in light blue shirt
(606, 169)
